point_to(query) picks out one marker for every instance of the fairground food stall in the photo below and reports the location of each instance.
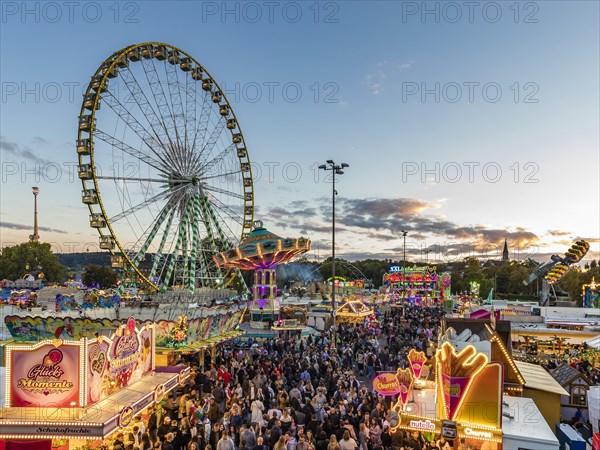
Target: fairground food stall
(463, 405)
(80, 391)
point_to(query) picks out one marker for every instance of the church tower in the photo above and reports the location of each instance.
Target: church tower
(505, 252)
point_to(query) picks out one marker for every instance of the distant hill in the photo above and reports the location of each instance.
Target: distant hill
(83, 259)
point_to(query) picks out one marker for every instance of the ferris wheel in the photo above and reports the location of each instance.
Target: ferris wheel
(164, 167)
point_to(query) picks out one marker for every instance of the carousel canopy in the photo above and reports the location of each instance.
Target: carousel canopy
(262, 248)
(353, 310)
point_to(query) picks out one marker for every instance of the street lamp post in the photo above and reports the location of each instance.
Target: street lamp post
(404, 233)
(336, 169)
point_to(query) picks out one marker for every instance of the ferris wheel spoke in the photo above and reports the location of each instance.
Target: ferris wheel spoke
(217, 159)
(216, 212)
(202, 123)
(125, 179)
(159, 252)
(144, 105)
(190, 110)
(211, 238)
(225, 243)
(184, 265)
(164, 108)
(212, 140)
(217, 203)
(194, 250)
(177, 112)
(175, 254)
(221, 175)
(223, 191)
(153, 232)
(125, 148)
(141, 205)
(151, 141)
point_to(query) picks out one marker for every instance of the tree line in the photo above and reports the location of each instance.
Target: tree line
(506, 278)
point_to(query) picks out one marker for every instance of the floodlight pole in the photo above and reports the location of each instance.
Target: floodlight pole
(336, 170)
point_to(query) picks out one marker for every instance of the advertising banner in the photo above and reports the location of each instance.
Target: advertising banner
(45, 374)
(386, 384)
(119, 361)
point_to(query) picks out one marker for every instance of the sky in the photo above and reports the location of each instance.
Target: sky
(464, 123)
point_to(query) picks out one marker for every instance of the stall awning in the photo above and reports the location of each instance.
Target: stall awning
(93, 422)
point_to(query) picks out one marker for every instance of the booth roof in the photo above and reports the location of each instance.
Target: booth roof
(537, 378)
(99, 413)
(528, 428)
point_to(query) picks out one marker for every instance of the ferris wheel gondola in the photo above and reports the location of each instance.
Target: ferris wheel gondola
(164, 167)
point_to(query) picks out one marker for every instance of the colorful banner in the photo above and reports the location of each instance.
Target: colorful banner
(120, 361)
(416, 360)
(89, 300)
(31, 329)
(46, 374)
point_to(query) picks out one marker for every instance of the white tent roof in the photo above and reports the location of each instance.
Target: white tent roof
(527, 428)
(594, 342)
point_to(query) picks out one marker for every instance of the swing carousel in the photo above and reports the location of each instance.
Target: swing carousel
(262, 251)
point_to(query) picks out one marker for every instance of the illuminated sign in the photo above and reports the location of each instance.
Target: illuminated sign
(395, 269)
(117, 362)
(125, 416)
(386, 384)
(47, 373)
(159, 393)
(39, 431)
(416, 360)
(425, 425)
(478, 434)
(455, 375)
(405, 379)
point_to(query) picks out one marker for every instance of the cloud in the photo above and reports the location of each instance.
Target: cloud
(407, 65)
(379, 220)
(18, 226)
(21, 151)
(386, 207)
(558, 233)
(375, 79)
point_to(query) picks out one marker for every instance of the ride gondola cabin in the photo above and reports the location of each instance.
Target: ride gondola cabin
(89, 100)
(85, 172)
(84, 146)
(97, 221)
(107, 242)
(86, 123)
(89, 196)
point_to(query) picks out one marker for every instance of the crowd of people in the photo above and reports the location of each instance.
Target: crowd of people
(294, 394)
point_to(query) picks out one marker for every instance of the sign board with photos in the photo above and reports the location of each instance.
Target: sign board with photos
(115, 363)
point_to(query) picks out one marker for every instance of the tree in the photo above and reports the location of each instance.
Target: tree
(30, 257)
(104, 277)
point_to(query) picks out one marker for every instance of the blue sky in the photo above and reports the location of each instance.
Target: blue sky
(361, 68)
